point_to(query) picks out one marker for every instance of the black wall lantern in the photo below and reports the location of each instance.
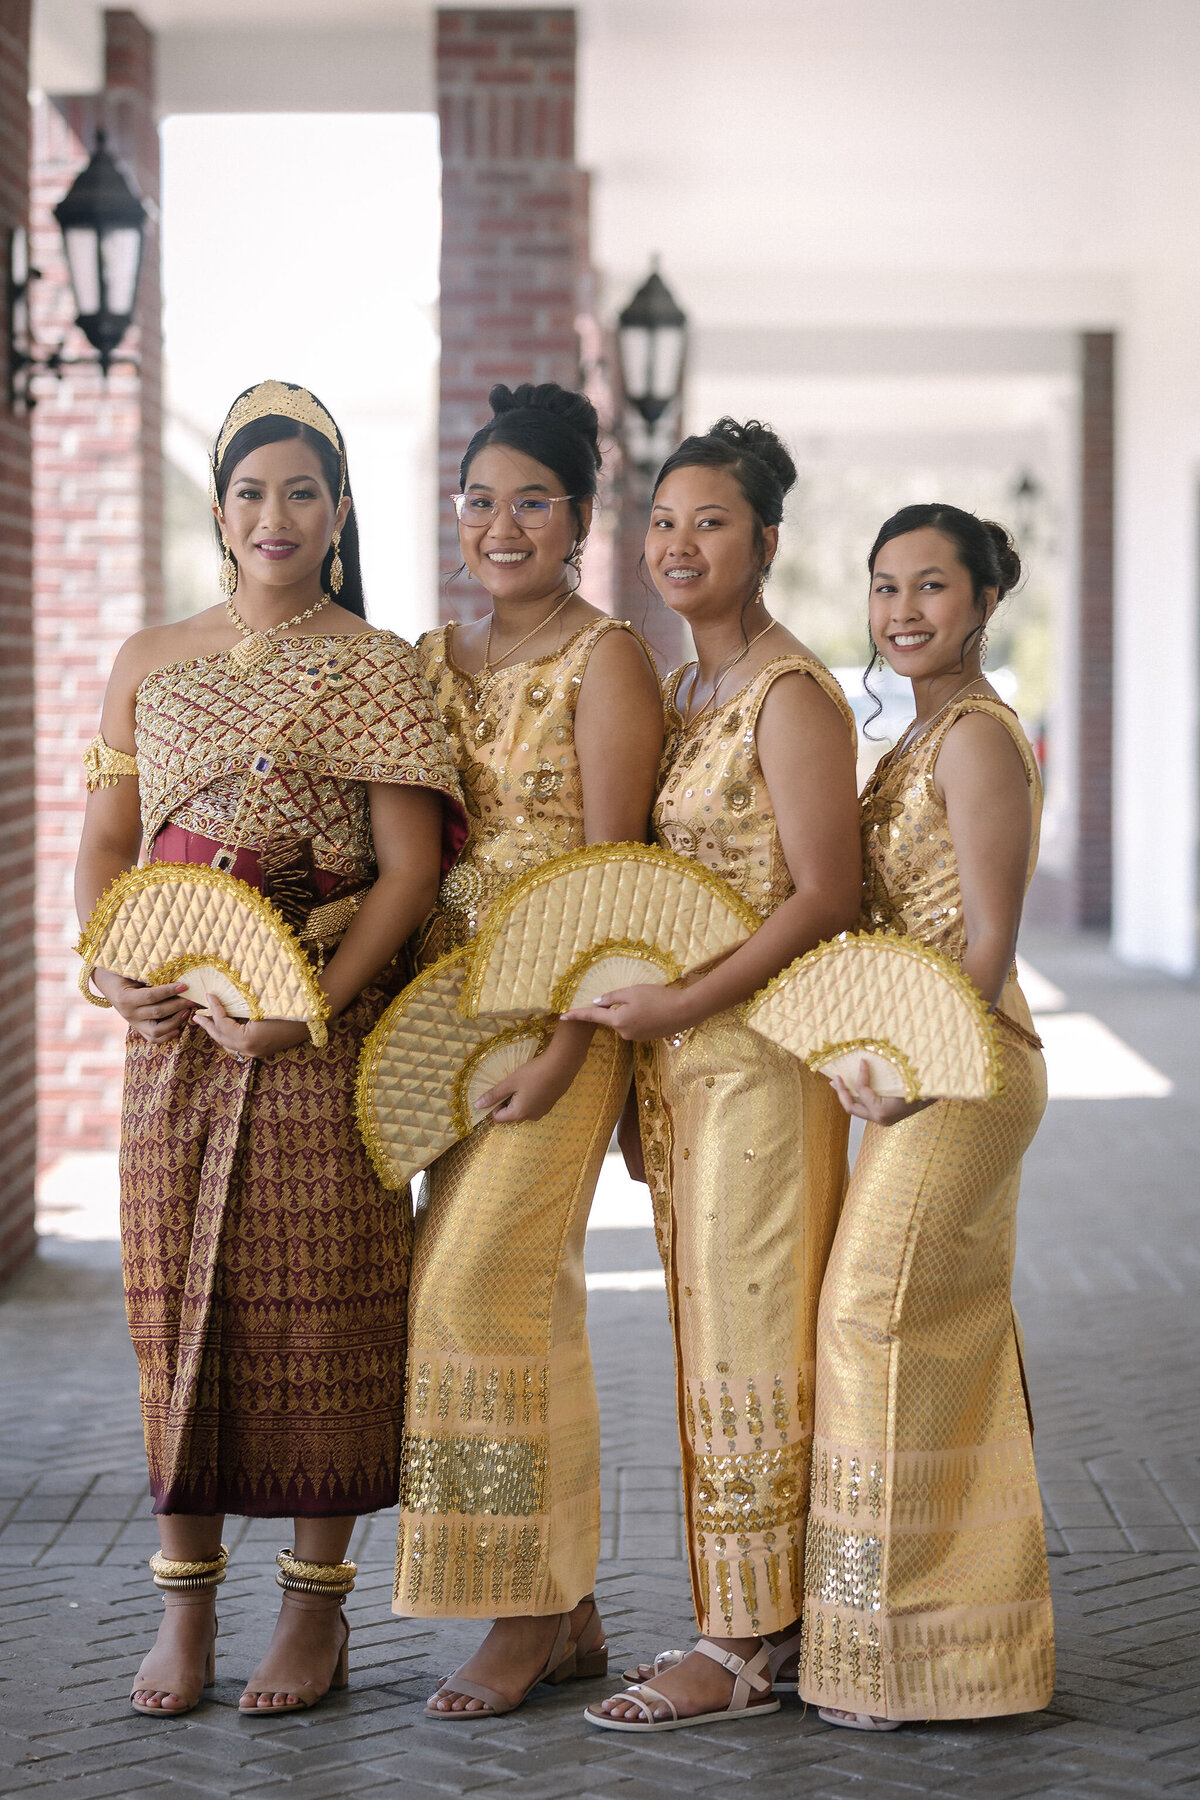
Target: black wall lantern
(652, 339)
(103, 223)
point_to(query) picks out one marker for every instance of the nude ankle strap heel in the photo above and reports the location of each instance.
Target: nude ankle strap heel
(307, 1587)
(182, 1584)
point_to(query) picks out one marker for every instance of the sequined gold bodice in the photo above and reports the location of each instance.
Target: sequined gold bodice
(329, 713)
(910, 871)
(713, 802)
(513, 739)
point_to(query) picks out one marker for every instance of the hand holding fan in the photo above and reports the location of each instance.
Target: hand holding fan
(423, 1068)
(920, 1023)
(171, 922)
(613, 915)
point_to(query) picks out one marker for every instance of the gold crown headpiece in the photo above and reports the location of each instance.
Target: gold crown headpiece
(277, 399)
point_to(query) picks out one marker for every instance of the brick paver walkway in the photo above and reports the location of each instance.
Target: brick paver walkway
(1109, 1272)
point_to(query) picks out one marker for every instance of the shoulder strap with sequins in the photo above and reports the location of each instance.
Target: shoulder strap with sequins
(803, 665)
(1004, 715)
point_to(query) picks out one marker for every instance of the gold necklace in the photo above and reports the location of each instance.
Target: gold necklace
(690, 717)
(913, 734)
(253, 647)
(485, 668)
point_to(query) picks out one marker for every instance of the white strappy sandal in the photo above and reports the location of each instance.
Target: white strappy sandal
(749, 1678)
(856, 1721)
(778, 1656)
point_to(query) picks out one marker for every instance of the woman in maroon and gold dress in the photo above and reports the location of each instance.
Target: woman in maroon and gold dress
(266, 1269)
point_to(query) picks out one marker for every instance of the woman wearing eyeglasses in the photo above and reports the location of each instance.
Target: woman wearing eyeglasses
(554, 717)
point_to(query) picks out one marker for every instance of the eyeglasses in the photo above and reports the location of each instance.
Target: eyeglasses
(531, 511)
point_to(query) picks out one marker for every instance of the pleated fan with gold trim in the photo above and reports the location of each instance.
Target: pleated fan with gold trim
(170, 922)
(918, 1020)
(613, 915)
(425, 1065)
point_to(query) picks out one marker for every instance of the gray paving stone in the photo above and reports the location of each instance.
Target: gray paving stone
(1108, 1295)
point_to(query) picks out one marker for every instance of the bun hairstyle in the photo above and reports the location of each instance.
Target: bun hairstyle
(756, 456)
(985, 549)
(765, 471)
(554, 426)
(274, 428)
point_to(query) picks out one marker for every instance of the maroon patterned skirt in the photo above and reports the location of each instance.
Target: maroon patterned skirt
(266, 1277)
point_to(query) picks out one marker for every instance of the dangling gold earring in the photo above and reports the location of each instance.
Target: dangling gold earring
(983, 647)
(336, 572)
(576, 557)
(227, 574)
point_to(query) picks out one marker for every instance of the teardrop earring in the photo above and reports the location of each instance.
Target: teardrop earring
(227, 574)
(336, 572)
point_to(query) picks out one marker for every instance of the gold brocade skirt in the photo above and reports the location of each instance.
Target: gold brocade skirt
(746, 1155)
(500, 1489)
(926, 1588)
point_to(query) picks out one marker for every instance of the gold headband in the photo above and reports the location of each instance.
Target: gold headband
(277, 399)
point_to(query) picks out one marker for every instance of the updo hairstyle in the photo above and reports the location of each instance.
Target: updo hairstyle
(554, 426)
(757, 458)
(275, 429)
(985, 550)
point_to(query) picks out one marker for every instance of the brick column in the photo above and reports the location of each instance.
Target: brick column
(1091, 899)
(514, 229)
(97, 563)
(17, 803)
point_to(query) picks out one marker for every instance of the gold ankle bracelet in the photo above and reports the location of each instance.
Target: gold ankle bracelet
(175, 1576)
(298, 1577)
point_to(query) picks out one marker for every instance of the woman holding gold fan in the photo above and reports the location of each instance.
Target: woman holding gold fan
(280, 747)
(743, 1147)
(927, 1594)
(555, 717)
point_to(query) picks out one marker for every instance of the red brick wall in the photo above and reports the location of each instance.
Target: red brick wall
(17, 807)
(514, 228)
(1092, 897)
(97, 567)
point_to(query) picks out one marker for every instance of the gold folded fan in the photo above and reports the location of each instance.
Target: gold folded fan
(217, 934)
(423, 1068)
(614, 915)
(919, 1022)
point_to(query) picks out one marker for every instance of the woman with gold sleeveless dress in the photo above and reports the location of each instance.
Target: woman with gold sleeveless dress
(555, 717)
(927, 1594)
(744, 1149)
(265, 1266)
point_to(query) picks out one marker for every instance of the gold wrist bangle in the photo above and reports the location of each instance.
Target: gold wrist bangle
(91, 995)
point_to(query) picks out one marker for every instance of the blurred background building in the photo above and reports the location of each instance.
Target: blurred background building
(947, 249)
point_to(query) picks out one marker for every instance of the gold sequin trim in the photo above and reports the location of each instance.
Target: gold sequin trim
(758, 1492)
(473, 1475)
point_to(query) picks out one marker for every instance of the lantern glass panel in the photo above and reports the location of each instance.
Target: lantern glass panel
(636, 353)
(667, 360)
(83, 261)
(120, 255)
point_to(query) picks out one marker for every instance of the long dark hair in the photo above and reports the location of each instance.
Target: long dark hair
(275, 429)
(985, 550)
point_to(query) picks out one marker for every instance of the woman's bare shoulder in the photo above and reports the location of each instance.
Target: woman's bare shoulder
(157, 646)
